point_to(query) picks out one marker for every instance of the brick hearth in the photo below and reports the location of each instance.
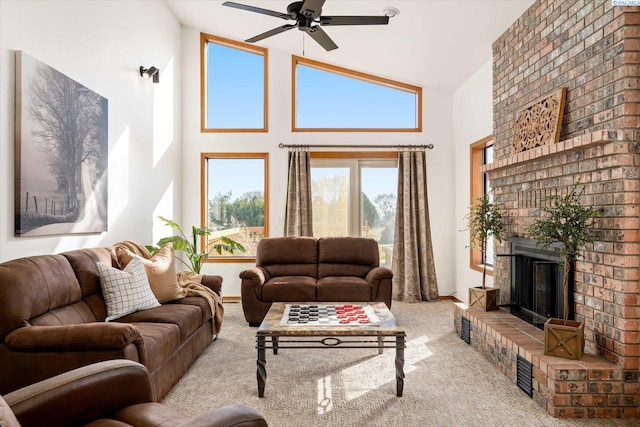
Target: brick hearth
(586, 388)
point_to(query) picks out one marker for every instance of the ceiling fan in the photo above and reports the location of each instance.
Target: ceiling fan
(308, 19)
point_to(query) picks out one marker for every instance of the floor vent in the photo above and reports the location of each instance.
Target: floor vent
(465, 330)
(524, 376)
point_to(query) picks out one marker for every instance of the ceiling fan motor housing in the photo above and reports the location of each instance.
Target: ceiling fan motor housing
(306, 15)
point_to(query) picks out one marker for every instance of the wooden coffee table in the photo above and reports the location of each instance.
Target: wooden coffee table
(385, 335)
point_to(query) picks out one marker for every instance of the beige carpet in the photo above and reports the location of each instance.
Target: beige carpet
(447, 383)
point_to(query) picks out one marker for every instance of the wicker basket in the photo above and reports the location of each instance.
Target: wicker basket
(484, 299)
(564, 338)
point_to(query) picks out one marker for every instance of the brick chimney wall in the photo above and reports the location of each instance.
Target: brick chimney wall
(593, 49)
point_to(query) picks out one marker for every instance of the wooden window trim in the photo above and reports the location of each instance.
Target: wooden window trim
(206, 38)
(477, 190)
(295, 60)
(203, 198)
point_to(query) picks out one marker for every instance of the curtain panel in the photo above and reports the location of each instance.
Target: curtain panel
(414, 273)
(298, 220)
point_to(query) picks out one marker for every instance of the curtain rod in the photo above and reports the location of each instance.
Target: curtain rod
(400, 147)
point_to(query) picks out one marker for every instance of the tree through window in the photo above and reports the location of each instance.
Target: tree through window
(355, 196)
(235, 201)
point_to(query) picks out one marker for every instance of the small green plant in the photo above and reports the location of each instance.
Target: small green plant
(566, 230)
(195, 257)
(483, 221)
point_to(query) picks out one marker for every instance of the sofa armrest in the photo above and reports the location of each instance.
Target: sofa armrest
(381, 281)
(82, 395)
(378, 274)
(95, 336)
(213, 282)
(229, 416)
(257, 275)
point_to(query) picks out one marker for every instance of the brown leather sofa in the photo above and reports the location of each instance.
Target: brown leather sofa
(306, 269)
(112, 393)
(52, 321)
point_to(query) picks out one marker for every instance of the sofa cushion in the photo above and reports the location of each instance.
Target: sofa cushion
(161, 340)
(125, 291)
(188, 318)
(344, 288)
(161, 272)
(289, 288)
(83, 262)
(71, 314)
(346, 256)
(201, 303)
(30, 287)
(293, 256)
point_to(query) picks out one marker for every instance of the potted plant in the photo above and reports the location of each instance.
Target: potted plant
(565, 229)
(195, 257)
(484, 220)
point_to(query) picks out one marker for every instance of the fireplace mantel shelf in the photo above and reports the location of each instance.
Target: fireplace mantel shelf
(588, 139)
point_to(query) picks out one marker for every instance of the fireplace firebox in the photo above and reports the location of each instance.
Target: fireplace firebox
(536, 283)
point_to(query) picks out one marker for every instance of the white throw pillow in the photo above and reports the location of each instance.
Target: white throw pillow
(125, 291)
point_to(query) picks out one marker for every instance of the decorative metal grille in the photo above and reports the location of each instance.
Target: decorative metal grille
(465, 331)
(525, 376)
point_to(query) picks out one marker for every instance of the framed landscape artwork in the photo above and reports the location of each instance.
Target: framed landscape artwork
(61, 155)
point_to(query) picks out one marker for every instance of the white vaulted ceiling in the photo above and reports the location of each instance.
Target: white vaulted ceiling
(432, 43)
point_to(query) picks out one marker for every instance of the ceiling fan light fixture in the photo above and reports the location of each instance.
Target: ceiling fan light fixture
(390, 11)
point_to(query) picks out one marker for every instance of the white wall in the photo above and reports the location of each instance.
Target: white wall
(436, 130)
(472, 121)
(154, 130)
(101, 44)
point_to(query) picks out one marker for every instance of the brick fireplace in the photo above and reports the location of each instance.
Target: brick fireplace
(593, 49)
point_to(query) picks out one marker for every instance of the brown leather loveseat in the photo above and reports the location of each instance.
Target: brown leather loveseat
(52, 320)
(110, 393)
(306, 269)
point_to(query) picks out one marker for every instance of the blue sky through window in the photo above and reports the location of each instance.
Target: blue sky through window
(240, 176)
(329, 100)
(235, 88)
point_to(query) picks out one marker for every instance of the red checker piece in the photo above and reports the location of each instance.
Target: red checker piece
(364, 321)
(344, 321)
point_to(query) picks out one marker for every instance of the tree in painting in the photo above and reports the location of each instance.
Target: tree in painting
(68, 127)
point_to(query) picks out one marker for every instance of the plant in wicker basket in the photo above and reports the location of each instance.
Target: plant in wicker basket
(484, 220)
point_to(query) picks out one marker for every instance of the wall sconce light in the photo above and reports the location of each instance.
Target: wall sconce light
(150, 73)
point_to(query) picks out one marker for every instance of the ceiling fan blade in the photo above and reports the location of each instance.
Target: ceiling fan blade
(256, 10)
(354, 20)
(270, 33)
(312, 8)
(321, 37)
